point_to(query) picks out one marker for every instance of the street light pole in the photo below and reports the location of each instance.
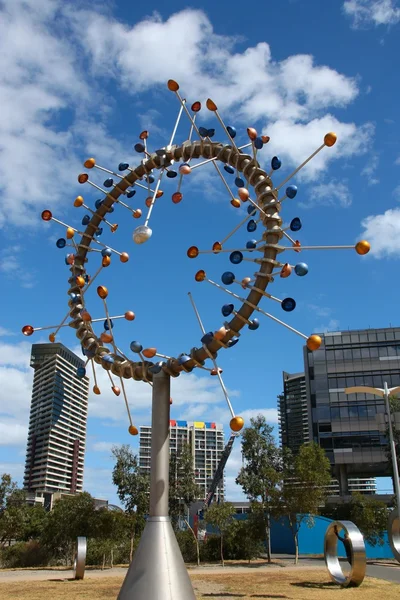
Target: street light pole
(384, 393)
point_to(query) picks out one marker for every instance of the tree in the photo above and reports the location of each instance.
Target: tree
(183, 489)
(13, 511)
(7, 486)
(72, 516)
(261, 476)
(394, 404)
(220, 516)
(133, 488)
(304, 489)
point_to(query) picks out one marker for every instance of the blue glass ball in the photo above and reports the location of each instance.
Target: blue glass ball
(136, 347)
(123, 166)
(295, 224)
(86, 278)
(236, 257)
(81, 372)
(171, 174)
(156, 368)
(88, 353)
(288, 304)
(232, 132)
(130, 194)
(61, 243)
(207, 338)
(106, 252)
(107, 358)
(229, 169)
(291, 191)
(99, 232)
(98, 202)
(251, 244)
(227, 278)
(251, 226)
(210, 133)
(109, 182)
(276, 163)
(86, 220)
(301, 269)
(106, 324)
(150, 178)
(139, 148)
(111, 209)
(255, 324)
(258, 143)
(203, 131)
(184, 359)
(232, 343)
(75, 298)
(251, 210)
(239, 182)
(227, 309)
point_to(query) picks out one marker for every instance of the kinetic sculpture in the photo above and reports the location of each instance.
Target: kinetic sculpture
(158, 570)
(80, 558)
(355, 551)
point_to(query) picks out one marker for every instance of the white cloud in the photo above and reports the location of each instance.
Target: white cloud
(383, 233)
(369, 171)
(397, 161)
(372, 12)
(12, 433)
(104, 446)
(334, 193)
(4, 332)
(332, 325)
(271, 414)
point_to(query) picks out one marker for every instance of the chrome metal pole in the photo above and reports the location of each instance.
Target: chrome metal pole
(159, 473)
(392, 449)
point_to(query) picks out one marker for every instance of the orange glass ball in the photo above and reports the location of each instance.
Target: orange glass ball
(133, 430)
(148, 201)
(236, 203)
(83, 177)
(314, 342)
(200, 275)
(89, 163)
(47, 215)
(193, 252)
(114, 227)
(177, 197)
(106, 338)
(363, 247)
(196, 106)
(70, 233)
(80, 281)
(78, 201)
(106, 262)
(252, 133)
(96, 390)
(159, 194)
(243, 194)
(185, 170)
(137, 213)
(211, 105)
(330, 139)
(129, 315)
(27, 330)
(144, 135)
(217, 247)
(86, 316)
(149, 352)
(52, 337)
(124, 257)
(116, 390)
(102, 292)
(245, 282)
(297, 246)
(173, 86)
(265, 139)
(236, 424)
(215, 371)
(286, 270)
(170, 401)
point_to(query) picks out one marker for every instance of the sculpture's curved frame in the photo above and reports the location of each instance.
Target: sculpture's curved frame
(394, 533)
(266, 198)
(358, 566)
(80, 558)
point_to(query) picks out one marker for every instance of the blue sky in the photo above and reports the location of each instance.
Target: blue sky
(80, 80)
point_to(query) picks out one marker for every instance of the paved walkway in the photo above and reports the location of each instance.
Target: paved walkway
(389, 571)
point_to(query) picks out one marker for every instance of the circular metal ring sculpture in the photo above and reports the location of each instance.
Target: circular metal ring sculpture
(394, 533)
(264, 207)
(80, 558)
(358, 557)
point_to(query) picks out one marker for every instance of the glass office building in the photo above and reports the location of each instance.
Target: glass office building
(345, 425)
(294, 429)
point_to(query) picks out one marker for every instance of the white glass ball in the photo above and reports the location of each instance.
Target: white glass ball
(142, 234)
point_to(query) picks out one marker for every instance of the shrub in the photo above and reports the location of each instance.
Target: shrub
(24, 554)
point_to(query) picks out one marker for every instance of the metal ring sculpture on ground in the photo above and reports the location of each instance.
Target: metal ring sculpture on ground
(394, 533)
(264, 207)
(358, 557)
(80, 558)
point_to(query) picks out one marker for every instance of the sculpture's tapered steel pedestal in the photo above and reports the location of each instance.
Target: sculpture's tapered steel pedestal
(157, 571)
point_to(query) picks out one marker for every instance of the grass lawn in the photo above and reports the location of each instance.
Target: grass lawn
(284, 584)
